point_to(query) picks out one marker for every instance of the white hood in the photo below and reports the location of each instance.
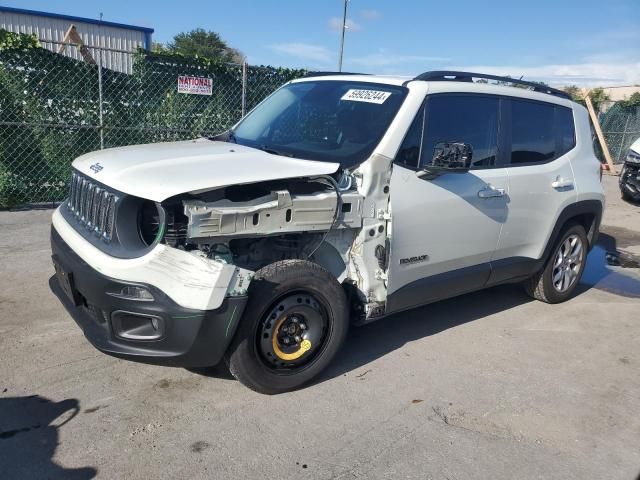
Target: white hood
(635, 146)
(161, 170)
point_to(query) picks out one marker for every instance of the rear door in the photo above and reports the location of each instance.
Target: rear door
(540, 139)
(445, 230)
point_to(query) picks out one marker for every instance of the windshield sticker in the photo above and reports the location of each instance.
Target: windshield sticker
(368, 96)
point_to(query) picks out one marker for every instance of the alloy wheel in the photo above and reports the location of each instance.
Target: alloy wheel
(567, 263)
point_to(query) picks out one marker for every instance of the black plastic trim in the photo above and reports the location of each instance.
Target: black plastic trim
(330, 74)
(438, 287)
(190, 338)
(125, 241)
(583, 207)
(454, 76)
(512, 269)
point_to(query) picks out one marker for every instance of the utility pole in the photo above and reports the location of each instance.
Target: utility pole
(344, 28)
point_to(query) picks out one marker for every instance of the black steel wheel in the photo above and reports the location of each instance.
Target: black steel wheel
(293, 332)
(296, 319)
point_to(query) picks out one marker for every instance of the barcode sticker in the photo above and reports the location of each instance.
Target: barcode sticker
(368, 96)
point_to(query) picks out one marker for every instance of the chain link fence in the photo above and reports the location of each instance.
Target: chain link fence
(54, 108)
(621, 127)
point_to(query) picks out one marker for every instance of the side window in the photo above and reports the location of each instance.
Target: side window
(410, 149)
(565, 130)
(533, 139)
(471, 119)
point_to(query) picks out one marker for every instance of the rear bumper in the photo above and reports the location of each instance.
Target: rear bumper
(158, 331)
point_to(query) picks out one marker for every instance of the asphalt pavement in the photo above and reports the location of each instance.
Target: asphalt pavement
(488, 385)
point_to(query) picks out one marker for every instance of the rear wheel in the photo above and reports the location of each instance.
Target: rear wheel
(561, 274)
(296, 320)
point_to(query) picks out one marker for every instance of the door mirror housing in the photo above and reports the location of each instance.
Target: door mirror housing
(448, 157)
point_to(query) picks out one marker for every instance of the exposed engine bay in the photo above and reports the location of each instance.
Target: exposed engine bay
(321, 219)
(252, 226)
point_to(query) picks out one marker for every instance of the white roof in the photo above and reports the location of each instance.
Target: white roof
(442, 86)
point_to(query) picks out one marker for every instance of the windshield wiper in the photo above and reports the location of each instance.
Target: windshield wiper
(268, 149)
(227, 136)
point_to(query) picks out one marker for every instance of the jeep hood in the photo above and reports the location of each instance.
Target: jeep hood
(158, 171)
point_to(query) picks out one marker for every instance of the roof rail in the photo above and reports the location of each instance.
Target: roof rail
(327, 74)
(451, 76)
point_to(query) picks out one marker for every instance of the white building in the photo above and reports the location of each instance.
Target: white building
(115, 41)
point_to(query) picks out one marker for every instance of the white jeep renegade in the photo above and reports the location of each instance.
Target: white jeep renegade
(339, 199)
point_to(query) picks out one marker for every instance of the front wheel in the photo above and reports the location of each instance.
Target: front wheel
(563, 270)
(296, 319)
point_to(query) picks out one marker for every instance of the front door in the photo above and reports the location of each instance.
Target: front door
(445, 231)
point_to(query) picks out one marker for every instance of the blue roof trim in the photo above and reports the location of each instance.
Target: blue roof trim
(75, 19)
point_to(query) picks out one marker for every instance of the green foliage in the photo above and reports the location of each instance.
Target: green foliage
(598, 98)
(597, 95)
(17, 41)
(631, 103)
(50, 111)
(575, 93)
(202, 43)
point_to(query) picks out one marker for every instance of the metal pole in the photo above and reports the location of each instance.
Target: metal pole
(344, 27)
(100, 111)
(244, 87)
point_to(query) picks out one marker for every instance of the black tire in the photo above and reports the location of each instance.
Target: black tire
(275, 283)
(626, 196)
(541, 287)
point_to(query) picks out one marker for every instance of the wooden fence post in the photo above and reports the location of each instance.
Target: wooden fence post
(596, 126)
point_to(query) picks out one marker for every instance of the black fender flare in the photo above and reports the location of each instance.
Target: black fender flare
(582, 207)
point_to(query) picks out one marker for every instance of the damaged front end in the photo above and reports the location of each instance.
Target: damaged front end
(339, 223)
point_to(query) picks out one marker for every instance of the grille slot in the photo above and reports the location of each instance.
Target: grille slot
(93, 206)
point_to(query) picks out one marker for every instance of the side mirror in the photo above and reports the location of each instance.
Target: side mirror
(448, 157)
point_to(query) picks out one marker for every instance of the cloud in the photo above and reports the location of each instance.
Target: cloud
(588, 74)
(385, 58)
(370, 15)
(335, 24)
(304, 51)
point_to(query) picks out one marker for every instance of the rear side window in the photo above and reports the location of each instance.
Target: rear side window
(565, 130)
(471, 119)
(540, 132)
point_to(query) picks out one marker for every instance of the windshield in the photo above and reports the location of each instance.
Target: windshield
(332, 121)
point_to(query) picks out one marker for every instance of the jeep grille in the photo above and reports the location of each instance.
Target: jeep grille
(93, 205)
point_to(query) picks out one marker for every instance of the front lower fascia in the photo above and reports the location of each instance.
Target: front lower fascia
(191, 281)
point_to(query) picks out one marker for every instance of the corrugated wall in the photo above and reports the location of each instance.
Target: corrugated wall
(52, 30)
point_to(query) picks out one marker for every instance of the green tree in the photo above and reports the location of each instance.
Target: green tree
(575, 93)
(632, 102)
(203, 43)
(598, 96)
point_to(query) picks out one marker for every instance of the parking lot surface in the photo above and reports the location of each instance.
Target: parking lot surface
(488, 385)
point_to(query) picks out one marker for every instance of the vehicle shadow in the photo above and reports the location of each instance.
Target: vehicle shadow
(369, 342)
(29, 436)
(377, 339)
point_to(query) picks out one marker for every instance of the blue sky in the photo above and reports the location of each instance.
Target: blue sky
(587, 42)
